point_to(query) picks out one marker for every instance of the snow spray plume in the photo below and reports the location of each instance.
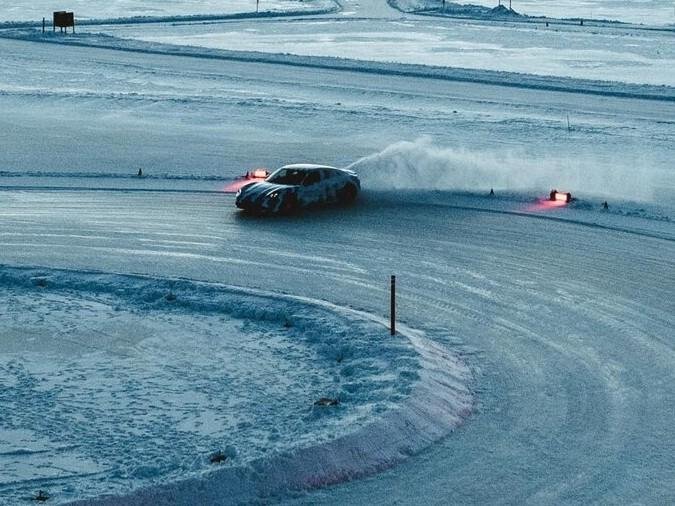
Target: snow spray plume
(420, 165)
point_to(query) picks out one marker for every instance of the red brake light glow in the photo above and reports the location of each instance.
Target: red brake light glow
(555, 200)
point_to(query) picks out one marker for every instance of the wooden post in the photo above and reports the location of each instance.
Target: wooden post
(43, 25)
(392, 309)
(257, 5)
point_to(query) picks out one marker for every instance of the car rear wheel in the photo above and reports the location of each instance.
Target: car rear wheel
(347, 194)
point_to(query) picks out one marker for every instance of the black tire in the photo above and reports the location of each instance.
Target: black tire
(290, 205)
(347, 195)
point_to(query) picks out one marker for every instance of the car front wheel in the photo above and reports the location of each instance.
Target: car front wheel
(290, 204)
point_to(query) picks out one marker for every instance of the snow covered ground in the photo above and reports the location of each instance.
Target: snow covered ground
(106, 9)
(109, 386)
(647, 12)
(146, 323)
(610, 54)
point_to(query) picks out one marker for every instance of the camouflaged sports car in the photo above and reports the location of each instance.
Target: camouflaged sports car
(295, 187)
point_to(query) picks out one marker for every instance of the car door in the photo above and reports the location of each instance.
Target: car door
(312, 188)
(331, 185)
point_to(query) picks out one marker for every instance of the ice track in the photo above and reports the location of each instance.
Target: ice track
(568, 329)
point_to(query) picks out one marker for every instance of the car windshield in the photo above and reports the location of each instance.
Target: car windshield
(288, 176)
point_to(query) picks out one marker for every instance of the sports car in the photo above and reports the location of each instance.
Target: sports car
(295, 187)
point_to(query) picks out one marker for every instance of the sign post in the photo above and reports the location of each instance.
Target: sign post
(392, 309)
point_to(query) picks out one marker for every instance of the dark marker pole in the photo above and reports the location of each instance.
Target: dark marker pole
(392, 310)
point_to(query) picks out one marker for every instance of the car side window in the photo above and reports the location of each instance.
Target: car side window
(287, 176)
(312, 178)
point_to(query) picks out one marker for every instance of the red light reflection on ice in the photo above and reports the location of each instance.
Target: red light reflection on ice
(545, 205)
(234, 186)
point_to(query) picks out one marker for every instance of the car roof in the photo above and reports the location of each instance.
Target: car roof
(307, 166)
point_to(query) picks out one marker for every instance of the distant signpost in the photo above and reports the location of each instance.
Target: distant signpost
(63, 20)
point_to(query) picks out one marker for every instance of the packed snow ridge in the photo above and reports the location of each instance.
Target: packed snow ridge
(471, 11)
(128, 386)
